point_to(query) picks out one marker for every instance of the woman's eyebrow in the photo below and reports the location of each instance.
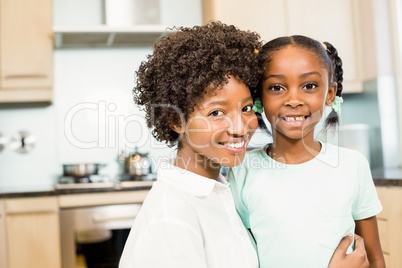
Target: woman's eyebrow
(225, 102)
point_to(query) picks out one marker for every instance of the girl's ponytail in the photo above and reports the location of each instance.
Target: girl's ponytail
(337, 76)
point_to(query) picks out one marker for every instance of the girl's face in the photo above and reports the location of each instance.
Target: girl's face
(219, 129)
(294, 91)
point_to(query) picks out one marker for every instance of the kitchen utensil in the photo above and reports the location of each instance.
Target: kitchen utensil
(138, 165)
(81, 170)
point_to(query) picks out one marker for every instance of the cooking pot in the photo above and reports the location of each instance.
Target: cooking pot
(81, 170)
(138, 165)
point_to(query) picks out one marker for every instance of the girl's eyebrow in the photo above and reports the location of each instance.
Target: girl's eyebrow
(274, 76)
(311, 73)
(281, 76)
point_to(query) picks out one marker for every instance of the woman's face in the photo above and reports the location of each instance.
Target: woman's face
(219, 129)
(294, 91)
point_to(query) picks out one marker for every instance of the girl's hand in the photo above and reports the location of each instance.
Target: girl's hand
(358, 258)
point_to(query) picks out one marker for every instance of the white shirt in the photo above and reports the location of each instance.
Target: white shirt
(187, 221)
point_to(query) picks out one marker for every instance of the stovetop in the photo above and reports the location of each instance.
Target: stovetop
(97, 181)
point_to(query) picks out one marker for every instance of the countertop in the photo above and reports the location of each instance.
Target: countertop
(387, 177)
(381, 177)
(45, 190)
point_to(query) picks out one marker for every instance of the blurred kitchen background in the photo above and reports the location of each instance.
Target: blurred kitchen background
(82, 111)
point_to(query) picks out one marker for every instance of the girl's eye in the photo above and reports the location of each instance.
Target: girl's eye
(276, 88)
(216, 113)
(247, 108)
(310, 86)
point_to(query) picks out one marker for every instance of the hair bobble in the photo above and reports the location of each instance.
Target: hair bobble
(325, 47)
(257, 107)
(337, 104)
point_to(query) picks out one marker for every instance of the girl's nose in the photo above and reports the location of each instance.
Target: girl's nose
(294, 99)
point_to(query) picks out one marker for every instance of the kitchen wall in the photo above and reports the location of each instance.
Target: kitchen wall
(93, 116)
(364, 109)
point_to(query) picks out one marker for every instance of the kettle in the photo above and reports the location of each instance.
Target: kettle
(138, 165)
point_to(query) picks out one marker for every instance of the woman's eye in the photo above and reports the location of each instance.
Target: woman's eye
(216, 113)
(310, 86)
(247, 108)
(276, 88)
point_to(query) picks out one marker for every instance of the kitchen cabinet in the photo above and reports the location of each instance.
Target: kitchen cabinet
(3, 256)
(26, 51)
(389, 224)
(334, 21)
(32, 232)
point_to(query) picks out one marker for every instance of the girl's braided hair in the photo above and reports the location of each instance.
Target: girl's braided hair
(174, 78)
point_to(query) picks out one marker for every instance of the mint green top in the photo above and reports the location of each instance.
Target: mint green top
(299, 213)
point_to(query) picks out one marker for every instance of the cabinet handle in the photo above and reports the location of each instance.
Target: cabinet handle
(32, 212)
(28, 76)
(106, 218)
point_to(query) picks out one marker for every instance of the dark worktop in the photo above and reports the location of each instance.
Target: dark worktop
(388, 177)
(381, 177)
(50, 191)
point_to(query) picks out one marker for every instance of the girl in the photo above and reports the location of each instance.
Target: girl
(298, 189)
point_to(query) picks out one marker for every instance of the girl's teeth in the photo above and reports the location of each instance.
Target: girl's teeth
(235, 145)
(298, 118)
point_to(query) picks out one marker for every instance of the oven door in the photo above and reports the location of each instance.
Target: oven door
(95, 236)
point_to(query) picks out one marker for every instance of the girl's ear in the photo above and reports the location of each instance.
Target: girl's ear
(333, 87)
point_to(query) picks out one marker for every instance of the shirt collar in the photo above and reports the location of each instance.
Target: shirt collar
(190, 182)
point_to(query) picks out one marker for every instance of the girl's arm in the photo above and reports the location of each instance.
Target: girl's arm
(368, 229)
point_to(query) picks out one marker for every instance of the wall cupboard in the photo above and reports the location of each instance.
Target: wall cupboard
(26, 51)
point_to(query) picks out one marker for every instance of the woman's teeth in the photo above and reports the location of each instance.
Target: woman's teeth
(297, 118)
(234, 145)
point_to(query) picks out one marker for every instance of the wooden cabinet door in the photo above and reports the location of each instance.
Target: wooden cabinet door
(266, 17)
(26, 45)
(390, 224)
(3, 252)
(33, 232)
(335, 22)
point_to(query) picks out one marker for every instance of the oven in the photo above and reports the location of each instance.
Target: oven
(94, 236)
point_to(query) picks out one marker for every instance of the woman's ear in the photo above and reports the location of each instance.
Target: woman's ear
(177, 128)
(333, 87)
(175, 124)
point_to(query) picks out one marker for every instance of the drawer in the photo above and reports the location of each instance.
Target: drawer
(32, 205)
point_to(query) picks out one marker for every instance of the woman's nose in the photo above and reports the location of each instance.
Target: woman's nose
(240, 125)
(237, 125)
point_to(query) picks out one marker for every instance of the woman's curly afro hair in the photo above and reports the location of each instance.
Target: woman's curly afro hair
(184, 64)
